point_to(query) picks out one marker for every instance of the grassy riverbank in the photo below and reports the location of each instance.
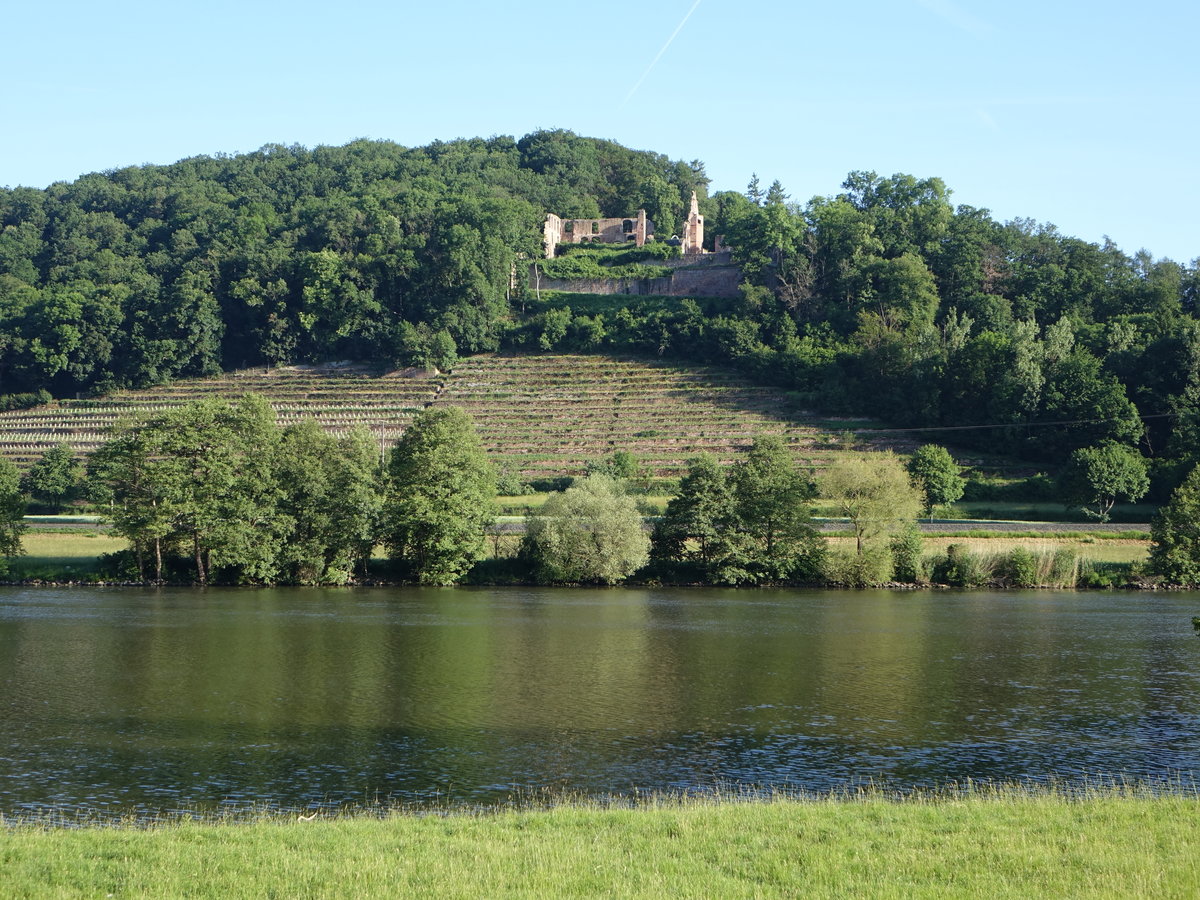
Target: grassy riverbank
(72, 554)
(1005, 843)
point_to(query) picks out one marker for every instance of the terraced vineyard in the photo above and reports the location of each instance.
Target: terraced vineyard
(544, 416)
(339, 397)
(540, 416)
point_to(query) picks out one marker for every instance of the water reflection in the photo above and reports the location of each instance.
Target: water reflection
(176, 698)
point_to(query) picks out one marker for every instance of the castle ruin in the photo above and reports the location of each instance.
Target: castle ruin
(601, 231)
(637, 229)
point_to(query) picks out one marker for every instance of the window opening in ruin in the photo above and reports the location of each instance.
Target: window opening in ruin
(627, 226)
(595, 228)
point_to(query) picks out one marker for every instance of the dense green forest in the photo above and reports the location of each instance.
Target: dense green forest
(884, 299)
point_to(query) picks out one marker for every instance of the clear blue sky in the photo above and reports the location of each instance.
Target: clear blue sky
(1086, 115)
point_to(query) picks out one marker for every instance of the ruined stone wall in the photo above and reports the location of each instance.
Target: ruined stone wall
(552, 235)
(706, 281)
(557, 231)
(634, 286)
(724, 258)
(700, 281)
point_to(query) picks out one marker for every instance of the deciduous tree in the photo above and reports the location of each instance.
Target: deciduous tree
(12, 509)
(440, 497)
(591, 533)
(774, 538)
(330, 493)
(1097, 477)
(54, 477)
(1175, 534)
(934, 470)
(874, 492)
(698, 518)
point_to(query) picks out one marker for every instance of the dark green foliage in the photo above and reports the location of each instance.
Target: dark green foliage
(55, 477)
(214, 492)
(697, 522)
(621, 255)
(332, 500)
(1175, 535)
(1018, 568)
(934, 470)
(146, 274)
(200, 481)
(592, 266)
(750, 526)
(884, 299)
(440, 497)
(960, 568)
(771, 533)
(24, 401)
(1031, 489)
(12, 509)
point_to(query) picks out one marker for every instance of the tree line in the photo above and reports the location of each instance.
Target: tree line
(218, 493)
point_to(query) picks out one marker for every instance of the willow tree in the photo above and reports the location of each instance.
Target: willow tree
(591, 532)
(876, 495)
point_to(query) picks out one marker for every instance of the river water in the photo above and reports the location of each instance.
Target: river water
(147, 701)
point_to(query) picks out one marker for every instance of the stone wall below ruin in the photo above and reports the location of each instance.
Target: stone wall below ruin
(696, 281)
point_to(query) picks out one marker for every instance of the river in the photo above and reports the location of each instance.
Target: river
(159, 700)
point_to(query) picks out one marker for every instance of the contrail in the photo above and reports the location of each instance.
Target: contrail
(649, 68)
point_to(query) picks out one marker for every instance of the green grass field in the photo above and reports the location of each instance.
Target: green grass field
(61, 555)
(993, 844)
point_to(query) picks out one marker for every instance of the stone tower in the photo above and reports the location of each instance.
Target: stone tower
(693, 230)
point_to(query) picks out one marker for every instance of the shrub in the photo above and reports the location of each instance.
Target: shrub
(1019, 568)
(907, 562)
(961, 568)
(872, 566)
(1034, 489)
(25, 400)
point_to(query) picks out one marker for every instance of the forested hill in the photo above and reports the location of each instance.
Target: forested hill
(884, 299)
(287, 254)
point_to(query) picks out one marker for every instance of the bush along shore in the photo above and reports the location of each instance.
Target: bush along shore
(1058, 561)
(982, 842)
(218, 493)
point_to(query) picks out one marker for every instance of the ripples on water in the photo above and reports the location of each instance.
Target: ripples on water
(157, 700)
